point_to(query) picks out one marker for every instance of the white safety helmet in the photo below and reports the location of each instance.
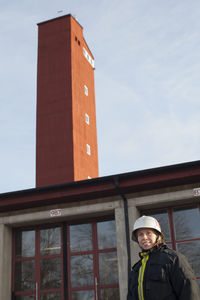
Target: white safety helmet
(145, 222)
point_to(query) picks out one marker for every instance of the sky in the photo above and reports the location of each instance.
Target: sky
(147, 82)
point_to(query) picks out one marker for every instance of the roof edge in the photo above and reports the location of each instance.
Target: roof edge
(104, 179)
(59, 17)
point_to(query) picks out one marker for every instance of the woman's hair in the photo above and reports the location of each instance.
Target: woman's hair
(160, 238)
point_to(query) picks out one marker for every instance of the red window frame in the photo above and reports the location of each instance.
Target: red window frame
(65, 256)
(95, 252)
(37, 257)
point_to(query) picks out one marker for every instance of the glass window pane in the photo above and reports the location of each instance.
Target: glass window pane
(110, 294)
(50, 273)
(106, 234)
(191, 250)
(81, 270)
(51, 296)
(83, 295)
(25, 297)
(80, 237)
(25, 243)
(108, 269)
(162, 217)
(25, 275)
(187, 223)
(50, 241)
(198, 282)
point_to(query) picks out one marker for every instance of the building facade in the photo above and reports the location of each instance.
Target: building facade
(70, 241)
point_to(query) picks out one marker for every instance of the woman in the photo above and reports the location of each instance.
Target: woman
(161, 273)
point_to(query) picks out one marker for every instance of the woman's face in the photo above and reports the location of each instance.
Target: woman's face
(146, 238)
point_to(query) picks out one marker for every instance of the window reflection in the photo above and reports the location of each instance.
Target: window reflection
(187, 223)
(198, 280)
(192, 252)
(51, 296)
(24, 275)
(80, 237)
(25, 243)
(83, 295)
(106, 234)
(163, 219)
(108, 268)
(81, 270)
(110, 294)
(25, 297)
(50, 273)
(50, 241)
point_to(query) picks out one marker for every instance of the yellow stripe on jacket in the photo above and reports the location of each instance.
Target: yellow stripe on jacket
(141, 276)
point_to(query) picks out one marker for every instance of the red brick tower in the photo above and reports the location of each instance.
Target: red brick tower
(66, 135)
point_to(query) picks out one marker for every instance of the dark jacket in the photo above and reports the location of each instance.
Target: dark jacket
(167, 276)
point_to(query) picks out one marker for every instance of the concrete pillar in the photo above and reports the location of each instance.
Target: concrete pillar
(133, 215)
(5, 261)
(121, 252)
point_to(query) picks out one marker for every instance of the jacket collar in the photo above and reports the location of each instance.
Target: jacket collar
(153, 249)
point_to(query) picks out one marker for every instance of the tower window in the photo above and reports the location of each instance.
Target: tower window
(86, 90)
(88, 57)
(87, 119)
(76, 39)
(88, 150)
